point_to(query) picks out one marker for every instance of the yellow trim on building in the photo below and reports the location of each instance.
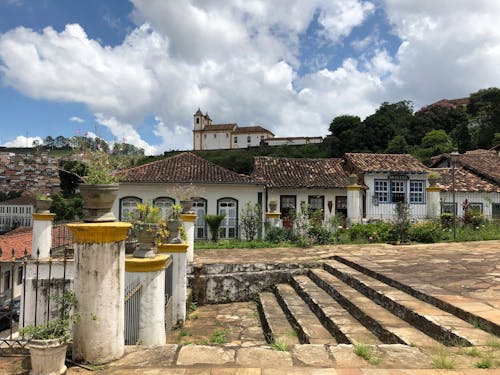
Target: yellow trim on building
(158, 263)
(188, 218)
(173, 248)
(273, 215)
(99, 232)
(43, 217)
(354, 187)
(433, 189)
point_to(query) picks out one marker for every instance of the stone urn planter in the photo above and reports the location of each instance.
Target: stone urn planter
(48, 356)
(43, 205)
(187, 206)
(173, 227)
(97, 202)
(146, 235)
(273, 205)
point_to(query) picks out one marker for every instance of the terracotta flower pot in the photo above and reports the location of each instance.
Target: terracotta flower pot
(98, 201)
(48, 356)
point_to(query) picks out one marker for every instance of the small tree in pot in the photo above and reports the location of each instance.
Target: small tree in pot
(149, 229)
(48, 342)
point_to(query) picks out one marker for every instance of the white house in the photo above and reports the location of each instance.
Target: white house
(473, 176)
(291, 182)
(16, 212)
(208, 136)
(220, 191)
(387, 179)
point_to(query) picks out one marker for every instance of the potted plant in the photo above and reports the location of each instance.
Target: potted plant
(43, 202)
(353, 179)
(99, 190)
(174, 224)
(214, 222)
(273, 205)
(433, 178)
(148, 228)
(185, 194)
(48, 342)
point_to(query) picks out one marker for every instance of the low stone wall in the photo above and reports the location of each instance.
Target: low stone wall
(223, 283)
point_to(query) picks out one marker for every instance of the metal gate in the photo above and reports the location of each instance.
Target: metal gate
(132, 313)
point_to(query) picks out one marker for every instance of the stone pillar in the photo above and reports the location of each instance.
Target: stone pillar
(273, 218)
(150, 272)
(188, 220)
(42, 235)
(177, 253)
(433, 201)
(98, 336)
(354, 203)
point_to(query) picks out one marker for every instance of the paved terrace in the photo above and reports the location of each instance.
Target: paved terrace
(466, 275)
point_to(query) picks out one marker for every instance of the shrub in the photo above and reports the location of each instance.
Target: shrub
(446, 221)
(426, 232)
(279, 235)
(214, 222)
(251, 220)
(320, 235)
(379, 231)
(402, 221)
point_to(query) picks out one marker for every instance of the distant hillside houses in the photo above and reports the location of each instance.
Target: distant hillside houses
(28, 171)
(209, 136)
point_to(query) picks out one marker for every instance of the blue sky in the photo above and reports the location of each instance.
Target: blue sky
(137, 70)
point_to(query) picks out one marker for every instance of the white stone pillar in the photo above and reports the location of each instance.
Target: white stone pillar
(188, 220)
(433, 201)
(42, 235)
(177, 253)
(354, 203)
(150, 272)
(98, 335)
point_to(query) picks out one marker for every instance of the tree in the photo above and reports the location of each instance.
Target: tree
(69, 170)
(397, 145)
(484, 109)
(251, 220)
(49, 142)
(214, 222)
(434, 143)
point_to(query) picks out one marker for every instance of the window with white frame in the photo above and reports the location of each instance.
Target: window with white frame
(128, 207)
(6, 281)
(397, 191)
(476, 206)
(417, 191)
(382, 190)
(249, 139)
(165, 204)
(19, 275)
(447, 207)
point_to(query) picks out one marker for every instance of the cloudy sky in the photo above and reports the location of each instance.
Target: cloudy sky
(136, 71)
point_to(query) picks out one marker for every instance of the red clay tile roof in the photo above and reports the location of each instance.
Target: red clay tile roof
(251, 129)
(184, 168)
(23, 200)
(482, 164)
(464, 181)
(219, 127)
(385, 163)
(300, 173)
(19, 240)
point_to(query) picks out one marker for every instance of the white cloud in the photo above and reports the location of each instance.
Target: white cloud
(22, 141)
(76, 119)
(239, 60)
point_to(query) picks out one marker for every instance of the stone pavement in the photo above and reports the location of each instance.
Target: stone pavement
(463, 273)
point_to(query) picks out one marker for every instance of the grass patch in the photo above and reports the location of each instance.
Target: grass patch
(192, 306)
(219, 336)
(493, 342)
(443, 360)
(292, 333)
(366, 352)
(182, 333)
(280, 345)
(473, 352)
(486, 362)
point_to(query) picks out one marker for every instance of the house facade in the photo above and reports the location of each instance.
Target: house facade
(208, 136)
(470, 180)
(16, 212)
(386, 180)
(292, 183)
(219, 190)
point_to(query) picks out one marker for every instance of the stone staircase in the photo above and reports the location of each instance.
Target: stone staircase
(346, 303)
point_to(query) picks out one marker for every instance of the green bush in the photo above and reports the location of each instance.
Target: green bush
(279, 235)
(320, 235)
(379, 231)
(426, 232)
(446, 221)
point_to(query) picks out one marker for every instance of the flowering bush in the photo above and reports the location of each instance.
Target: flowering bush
(426, 232)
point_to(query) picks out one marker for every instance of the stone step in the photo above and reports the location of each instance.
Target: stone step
(342, 325)
(386, 326)
(273, 320)
(465, 308)
(309, 329)
(438, 324)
